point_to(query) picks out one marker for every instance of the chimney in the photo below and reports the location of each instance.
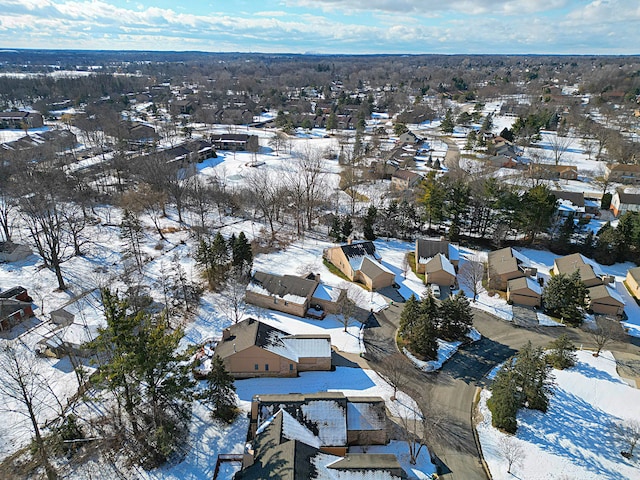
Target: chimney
(226, 333)
(349, 240)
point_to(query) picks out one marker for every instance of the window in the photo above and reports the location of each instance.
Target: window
(286, 303)
(256, 367)
(266, 367)
(291, 367)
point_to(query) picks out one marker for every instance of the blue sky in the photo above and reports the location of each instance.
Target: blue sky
(326, 26)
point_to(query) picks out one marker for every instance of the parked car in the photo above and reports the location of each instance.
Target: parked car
(435, 289)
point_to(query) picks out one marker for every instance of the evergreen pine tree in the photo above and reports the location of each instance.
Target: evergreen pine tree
(242, 255)
(424, 341)
(562, 353)
(369, 223)
(221, 391)
(503, 403)
(456, 318)
(409, 317)
(565, 297)
(336, 229)
(532, 377)
(347, 228)
(131, 232)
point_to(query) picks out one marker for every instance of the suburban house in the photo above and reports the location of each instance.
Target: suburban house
(506, 264)
(20, 120)
(524, 291)
(140, 133)
(235, 142)
(427, 248)
(624, 173)
(633, 281)
(251, 348)
(404, 179)
(623, 202)
(553, 172)
(13, 252)
(605, 300)
(294, 295)
(574, 203)
(15, 307)
(590, 272)
(308, 436)
(439, 270)
(360, 263)
(409, 137)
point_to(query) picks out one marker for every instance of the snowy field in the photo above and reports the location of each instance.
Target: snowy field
(574, 440)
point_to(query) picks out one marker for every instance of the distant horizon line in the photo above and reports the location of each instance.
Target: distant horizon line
(4, 50)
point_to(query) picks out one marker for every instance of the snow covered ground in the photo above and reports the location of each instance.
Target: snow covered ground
(574, 439)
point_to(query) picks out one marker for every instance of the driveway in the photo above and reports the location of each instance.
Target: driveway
(449, 393)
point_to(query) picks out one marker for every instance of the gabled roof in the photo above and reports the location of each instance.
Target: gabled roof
(360, 249)
(588, 268)
(369, 466)
(407, 175)
(296, 289)
(439, 263)
(524, 283)
(604, 293)
(635, 273)
(577, 198)
(251, 332)
(372, 268)
(629, 198)
(428, 247)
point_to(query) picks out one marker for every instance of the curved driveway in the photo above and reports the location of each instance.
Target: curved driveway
(449, 393)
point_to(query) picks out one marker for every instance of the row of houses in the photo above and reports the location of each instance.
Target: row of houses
(512, 271)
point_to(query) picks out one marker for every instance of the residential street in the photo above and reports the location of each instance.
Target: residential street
(449, 394)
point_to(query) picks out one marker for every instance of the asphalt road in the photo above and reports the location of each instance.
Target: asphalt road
(447, 396)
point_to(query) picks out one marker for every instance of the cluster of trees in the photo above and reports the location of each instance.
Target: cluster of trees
(423, 321)
(151, 381)
(483, 207)
(524, 381)
(218, 257)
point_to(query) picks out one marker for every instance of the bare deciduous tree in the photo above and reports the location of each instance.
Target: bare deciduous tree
(348, 308)
(232, 303)
(393, 371)
(471, 274)
(628, 431)
(559, 146)
(27, 391)
(604, 331)
(511, 451)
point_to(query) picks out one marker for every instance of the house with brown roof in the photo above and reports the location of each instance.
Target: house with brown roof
(20, 119)
(605, 300)
(506, 264)
(633, 281)
(234, 142)
(427, 248)
(590, 272)
(360, 263)
(624, 173)
(623, 202)
(524, 291)
(251, 348)
(300, 296)
(404, 179)
(553, 172)
(307, 437)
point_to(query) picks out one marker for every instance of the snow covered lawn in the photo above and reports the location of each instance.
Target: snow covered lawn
(446, 350)
(574, 439)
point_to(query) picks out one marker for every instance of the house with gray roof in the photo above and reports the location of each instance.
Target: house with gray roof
(360, 262)
(251, 348)
(307, 437)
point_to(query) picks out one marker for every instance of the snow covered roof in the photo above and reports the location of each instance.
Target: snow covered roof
(327, 292)
(251, 332)
(305, 346)
(366, 414)
(330, 418)
(602, 292)
(440, 262)
(522, 283)
(372, 268)
(290, 288)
